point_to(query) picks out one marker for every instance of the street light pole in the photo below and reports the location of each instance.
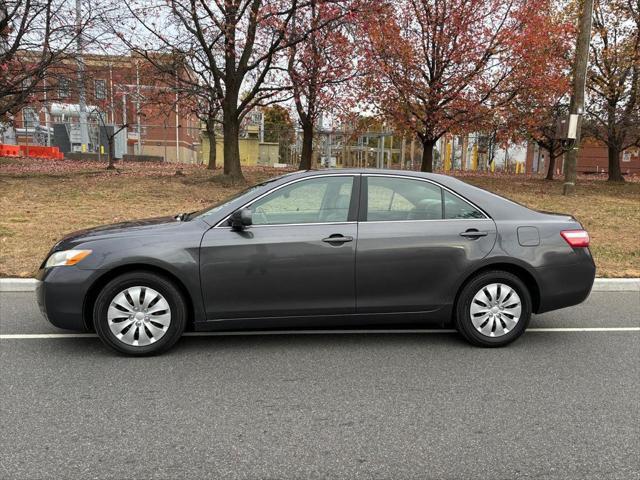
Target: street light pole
(576, 106)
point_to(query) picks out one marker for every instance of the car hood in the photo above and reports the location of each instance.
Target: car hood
(132, 228)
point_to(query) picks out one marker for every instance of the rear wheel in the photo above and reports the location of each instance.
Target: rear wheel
(140, 313)
(493, 309)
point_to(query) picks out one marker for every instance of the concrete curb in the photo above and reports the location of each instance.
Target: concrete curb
(600, 285)
(616, 285)
(18, 284)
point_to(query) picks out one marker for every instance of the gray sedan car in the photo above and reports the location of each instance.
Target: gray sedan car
(320, 249)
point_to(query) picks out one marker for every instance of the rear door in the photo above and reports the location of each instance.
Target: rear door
(414, 241)
(297, 259)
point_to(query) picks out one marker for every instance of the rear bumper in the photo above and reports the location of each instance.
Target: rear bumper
(566, 285)
(61, 293)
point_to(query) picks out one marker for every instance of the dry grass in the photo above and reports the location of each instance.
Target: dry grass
(39, 207)
(42, 201)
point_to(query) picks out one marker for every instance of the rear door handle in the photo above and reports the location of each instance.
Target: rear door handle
(337, 238)
(473, 234)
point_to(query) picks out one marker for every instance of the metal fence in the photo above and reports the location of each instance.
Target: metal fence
(271, 144)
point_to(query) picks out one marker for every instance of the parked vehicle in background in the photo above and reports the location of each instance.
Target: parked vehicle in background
(319, 249)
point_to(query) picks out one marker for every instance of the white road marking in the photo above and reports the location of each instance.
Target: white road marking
(585, 329)
(30, 336)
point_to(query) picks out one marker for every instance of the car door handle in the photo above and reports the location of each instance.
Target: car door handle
(337, 238)
(473, 234)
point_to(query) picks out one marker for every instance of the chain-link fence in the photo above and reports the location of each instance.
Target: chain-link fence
(268, 144)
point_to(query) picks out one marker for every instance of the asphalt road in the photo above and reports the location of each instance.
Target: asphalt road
(376, 406)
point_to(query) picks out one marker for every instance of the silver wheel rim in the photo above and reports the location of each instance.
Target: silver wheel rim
(495, 310)
(139, 316)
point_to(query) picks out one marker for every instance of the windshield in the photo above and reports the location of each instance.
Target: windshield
(223, 203)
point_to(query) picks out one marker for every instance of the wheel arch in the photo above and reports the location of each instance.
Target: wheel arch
(520, 271)
(106, 277)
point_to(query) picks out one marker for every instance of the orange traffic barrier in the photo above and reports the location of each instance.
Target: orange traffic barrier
(9, 151)
(33, 151)
(38, 151)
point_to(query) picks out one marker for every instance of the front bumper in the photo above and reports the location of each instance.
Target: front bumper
(61, 293)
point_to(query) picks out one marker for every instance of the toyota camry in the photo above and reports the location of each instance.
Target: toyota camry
(320, 249)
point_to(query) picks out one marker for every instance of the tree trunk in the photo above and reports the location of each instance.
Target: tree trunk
(552, 166)
(231, 131)
(307, 146)
(615, 175)
(465, 147)
(110, 141)
(427, 155)
(211, 133)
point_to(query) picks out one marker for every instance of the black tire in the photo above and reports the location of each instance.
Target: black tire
(163, 286)
(463, 321)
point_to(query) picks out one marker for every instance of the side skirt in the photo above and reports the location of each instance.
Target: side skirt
(433, 318)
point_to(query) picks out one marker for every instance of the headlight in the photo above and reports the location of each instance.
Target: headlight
(66, 257)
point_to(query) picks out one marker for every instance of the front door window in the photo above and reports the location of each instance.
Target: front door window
(317, 200)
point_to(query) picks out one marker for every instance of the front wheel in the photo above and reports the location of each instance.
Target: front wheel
(493, 309)
(140, 313)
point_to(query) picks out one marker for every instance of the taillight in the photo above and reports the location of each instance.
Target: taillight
(576, 238)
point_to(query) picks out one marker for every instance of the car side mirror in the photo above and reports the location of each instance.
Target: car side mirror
(240, 219)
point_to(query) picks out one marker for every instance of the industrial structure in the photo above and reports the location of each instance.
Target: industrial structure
(78, 113)
(114, 91)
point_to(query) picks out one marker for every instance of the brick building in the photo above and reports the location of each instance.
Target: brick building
(592, 158)
(118, 90)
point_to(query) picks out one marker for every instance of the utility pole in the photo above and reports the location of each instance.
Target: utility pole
(138, 128)
(46, 112)
(82, 101)
(7, 132)
(576, 107)
(178, 123)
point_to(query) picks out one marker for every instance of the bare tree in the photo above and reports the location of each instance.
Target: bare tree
(545, 135)
(34, 35)
(614, 79)
(232, 46)
(200, 99)
(207, 108)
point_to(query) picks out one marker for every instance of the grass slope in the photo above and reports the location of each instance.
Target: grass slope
(41, 201)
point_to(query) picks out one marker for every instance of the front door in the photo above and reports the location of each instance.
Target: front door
(297, 259)
(414, 240)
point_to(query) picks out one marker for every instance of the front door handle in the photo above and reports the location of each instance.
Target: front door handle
(473, 234)
(337, 238)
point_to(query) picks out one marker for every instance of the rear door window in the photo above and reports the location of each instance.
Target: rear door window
(401, 199)
(455, 208)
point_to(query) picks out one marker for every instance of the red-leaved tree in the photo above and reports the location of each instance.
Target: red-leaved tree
(320, 66)
(439, 66)
(544, 58)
